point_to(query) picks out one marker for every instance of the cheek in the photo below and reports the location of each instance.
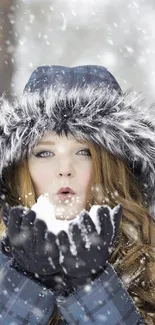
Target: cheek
(85, 176)
(40, 178)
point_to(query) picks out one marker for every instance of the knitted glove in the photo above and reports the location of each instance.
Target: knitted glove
(68, 260)
(85, 250)
(33, 247)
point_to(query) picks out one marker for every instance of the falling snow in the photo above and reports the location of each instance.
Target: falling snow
(115, 34)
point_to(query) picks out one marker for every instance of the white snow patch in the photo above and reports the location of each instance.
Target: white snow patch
(45, 211)
(94, 216)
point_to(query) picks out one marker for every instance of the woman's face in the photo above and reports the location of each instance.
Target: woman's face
(58, 164)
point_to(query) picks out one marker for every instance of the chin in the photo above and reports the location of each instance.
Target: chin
(66, 214)
(62, 216)
(65, 218)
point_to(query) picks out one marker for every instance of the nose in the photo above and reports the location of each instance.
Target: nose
(64, 174)
(65, 169)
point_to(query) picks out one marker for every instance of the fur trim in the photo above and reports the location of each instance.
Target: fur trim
(123, 125)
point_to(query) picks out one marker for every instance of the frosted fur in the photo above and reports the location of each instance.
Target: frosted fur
(124, 125)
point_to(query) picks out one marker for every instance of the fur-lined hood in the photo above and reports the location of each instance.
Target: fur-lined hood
(122, 124)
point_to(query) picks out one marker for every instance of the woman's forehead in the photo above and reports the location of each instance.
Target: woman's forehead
(52, 138)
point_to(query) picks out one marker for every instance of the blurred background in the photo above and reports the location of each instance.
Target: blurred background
(117, 34)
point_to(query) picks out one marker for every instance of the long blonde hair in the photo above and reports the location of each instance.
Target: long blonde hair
(134, 256)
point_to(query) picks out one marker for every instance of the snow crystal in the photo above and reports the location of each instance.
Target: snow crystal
(73, 246)
(51, 262)
(36, 275)
(51, 8)
(129, 49)
(37, 312)
(126, 279)
(102, 317)
(61, 257)
(87, 288)
(109, 58)
(110, 41)
(73, 13)
(17, 289)
(132, 232)
(92, 213)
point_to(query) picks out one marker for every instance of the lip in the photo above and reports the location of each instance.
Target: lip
(65, 189)
(65, 197)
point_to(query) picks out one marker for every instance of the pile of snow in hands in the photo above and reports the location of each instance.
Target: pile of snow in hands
(45, 211)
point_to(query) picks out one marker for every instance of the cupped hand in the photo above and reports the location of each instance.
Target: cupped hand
(86, 248)
(33, 247)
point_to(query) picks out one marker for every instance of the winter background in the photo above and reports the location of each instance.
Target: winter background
(118, 34)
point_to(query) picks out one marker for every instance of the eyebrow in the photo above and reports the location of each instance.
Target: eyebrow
(47, 143)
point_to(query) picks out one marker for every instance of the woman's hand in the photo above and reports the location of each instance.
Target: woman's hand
(85, 250)
(32, 245)
(74, 257)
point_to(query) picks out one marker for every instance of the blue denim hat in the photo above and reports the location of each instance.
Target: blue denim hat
(60, 76)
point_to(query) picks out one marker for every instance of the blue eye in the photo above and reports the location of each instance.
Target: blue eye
(43, 154)
(84, 152)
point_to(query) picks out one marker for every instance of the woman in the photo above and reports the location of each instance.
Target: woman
(101, 144)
